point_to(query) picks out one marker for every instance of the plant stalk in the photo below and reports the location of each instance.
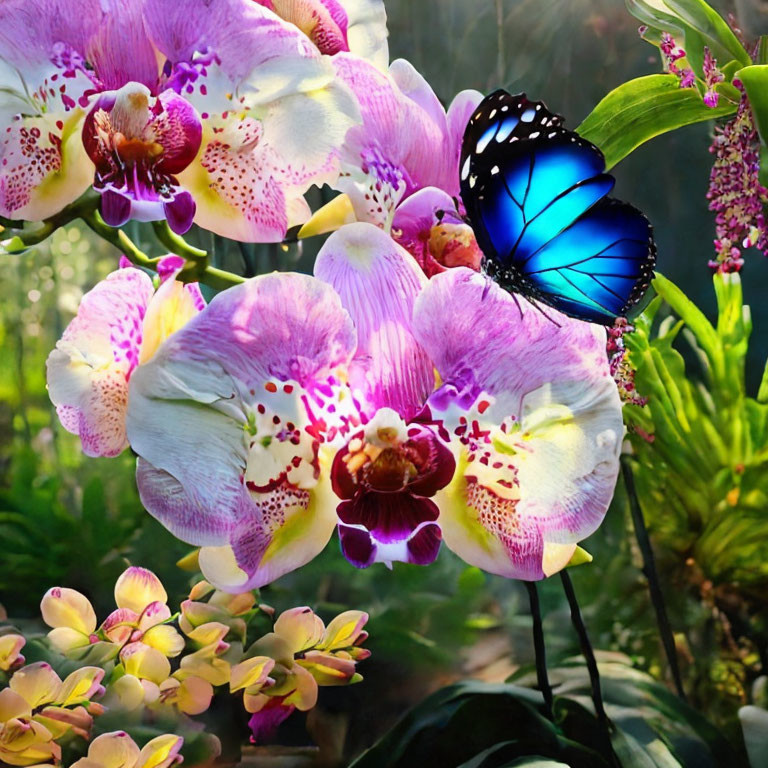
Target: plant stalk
(589, 657)
(540, 649)
(652, 574)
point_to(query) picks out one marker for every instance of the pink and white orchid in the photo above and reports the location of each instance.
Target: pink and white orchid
(335, 26)
(221, 113)
(316, 401)
(119, 325)
(400, 167)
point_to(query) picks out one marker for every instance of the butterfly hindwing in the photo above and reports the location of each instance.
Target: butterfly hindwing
(535, 194)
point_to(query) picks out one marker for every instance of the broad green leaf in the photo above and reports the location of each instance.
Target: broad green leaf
(710, 24)
(755, 79)
(640, 109)
(695, 25)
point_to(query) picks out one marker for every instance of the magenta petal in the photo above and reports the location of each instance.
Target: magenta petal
(357, 546)
(389, 517)
(424, 545)
(266, 721)
(115, 208)
(436, 457)
(180, 212)
(178, 129)
(378, 283)
(481, 337)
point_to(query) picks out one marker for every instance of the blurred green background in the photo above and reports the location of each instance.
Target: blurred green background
(69, 520)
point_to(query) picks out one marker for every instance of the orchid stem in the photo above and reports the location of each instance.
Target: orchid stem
(589, 657)
(177, 244)
(120, 240)
(198, 271)
(79, 209)
(540, 649)
(651, 573)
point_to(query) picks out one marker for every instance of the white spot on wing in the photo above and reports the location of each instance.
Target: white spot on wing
(465, 169)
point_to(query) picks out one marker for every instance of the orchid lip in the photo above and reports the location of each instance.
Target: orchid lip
(137, 143)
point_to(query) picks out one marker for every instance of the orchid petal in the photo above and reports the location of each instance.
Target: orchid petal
(120, 625)
(301, 628)
(399, 147)
(252, 673)
(165, 639)
(63, 607)
(144, 662)
(459, 112)
(193, 695)
(13, 706)
(114, 750)
(161, 752)
(207, 382)
(120, 50)
(36, 683)
(137, 588)
(88, 370)
(66, 639)
(80, 686)
(10, 651)
(539, 464)
(378, 284)
(44, 165)
(344, 631)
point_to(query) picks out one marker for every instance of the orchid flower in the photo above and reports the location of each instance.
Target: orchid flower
(118, 750)
(400, 168)
(10, 651)
(37, 708)
(138, 629)
(334, 26)
(316, 399)
(119, 325)
(285, 667)
(171, 109)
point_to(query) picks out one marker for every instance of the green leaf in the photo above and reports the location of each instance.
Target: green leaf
(640, 109)
(755, 79)
(711, 25)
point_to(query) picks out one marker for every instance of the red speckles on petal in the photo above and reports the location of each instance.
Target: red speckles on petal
(239, 171)
(28, 157)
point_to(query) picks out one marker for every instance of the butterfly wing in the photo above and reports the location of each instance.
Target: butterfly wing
(535, 194)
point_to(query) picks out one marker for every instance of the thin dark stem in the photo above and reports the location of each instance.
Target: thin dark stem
(589, 657)
(652, 574)
(540, 649)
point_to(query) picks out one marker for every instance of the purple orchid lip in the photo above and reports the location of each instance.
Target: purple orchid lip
(138, 143)
(385, 513)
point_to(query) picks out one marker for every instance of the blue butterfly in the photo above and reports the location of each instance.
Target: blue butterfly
(535, 194)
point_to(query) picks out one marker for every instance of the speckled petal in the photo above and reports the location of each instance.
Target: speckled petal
(88, 371)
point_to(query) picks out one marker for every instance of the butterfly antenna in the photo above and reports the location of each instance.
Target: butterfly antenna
(519, 308)
(538, 307)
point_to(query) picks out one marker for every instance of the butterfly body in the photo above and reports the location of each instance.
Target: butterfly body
(536, 195)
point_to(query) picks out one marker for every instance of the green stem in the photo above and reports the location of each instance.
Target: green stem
(196, 270)
(651, 573)
(177, 244)
(120, 240)
(540, 649)
(82, 207)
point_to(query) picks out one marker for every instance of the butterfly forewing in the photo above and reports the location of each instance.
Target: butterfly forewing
(535, 194)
